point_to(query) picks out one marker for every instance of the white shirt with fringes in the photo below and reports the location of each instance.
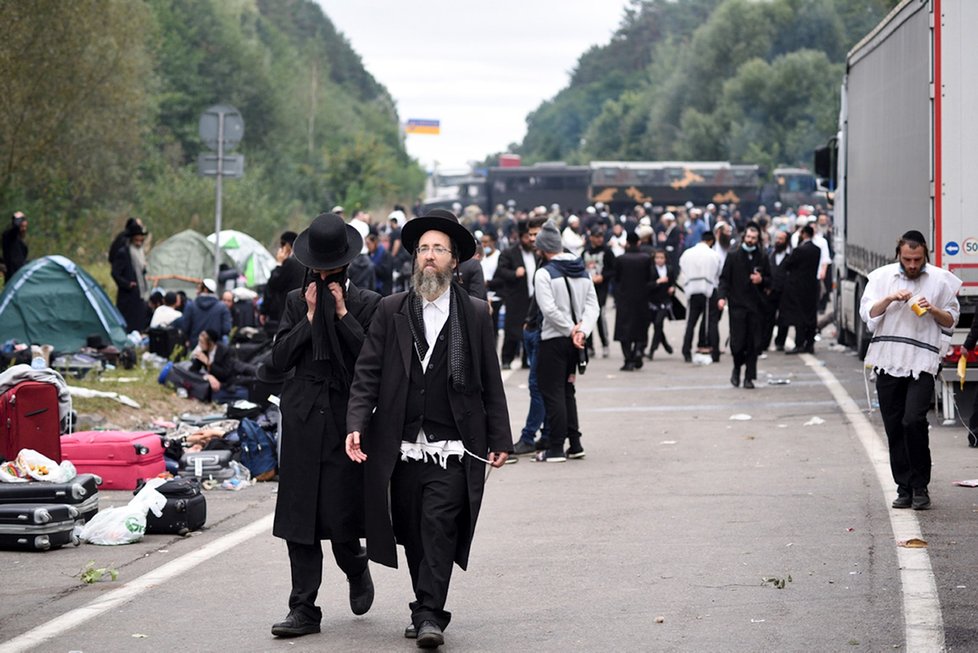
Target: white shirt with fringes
(904, 344)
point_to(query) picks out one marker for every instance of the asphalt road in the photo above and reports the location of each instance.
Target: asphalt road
(675, 533)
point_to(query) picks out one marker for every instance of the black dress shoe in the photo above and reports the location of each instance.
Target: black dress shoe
(687, 358)
(902, 501)
(735, 378)
(792, 352)
(627, 367)
(430, 635)
(410, 632)
(361, 592)
(921, 499)
(749, 384)
(667, 347)
(295, 625)
(638, 363)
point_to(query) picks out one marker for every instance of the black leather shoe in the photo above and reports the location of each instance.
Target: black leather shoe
(902, 501)
(667, 347)
(792, 352)
(735, 378)
(361, 592)
(921, 499)
(410, 632)
(295, 625)
(430, 635)
(687, 358)
(749, 384)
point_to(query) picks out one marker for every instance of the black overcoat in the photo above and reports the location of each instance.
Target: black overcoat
(802, 285)
(514, 290)
(128, 300)
(314, 425)
(381, 381)
(633, 282)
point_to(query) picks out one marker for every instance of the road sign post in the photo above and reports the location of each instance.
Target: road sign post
(221, 128)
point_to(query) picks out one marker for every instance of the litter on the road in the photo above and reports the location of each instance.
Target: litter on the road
(912, 543)
(972, 483)
(814, 421)
(773, 381)
(668, 442)
(740, 417)
(702, 359)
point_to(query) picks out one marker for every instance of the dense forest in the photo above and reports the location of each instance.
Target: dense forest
(100, 102)
(738, 80)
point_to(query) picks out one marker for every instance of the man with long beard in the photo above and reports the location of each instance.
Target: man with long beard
(427, 411)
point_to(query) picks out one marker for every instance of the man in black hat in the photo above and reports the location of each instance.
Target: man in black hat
(320, 494)
(907, 305)
(427, 406)
(14, 246)
(129, 274)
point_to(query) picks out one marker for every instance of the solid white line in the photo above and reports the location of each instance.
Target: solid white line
(132, 589)
(921, 602)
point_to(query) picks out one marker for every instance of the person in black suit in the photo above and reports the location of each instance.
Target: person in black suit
(774, 316)
(801, 292)
(286, 277)
(746, 273)
(129, 274)
(661, 292)
(515, 270)
(320, 494)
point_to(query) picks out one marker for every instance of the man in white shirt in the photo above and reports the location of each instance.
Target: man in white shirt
(700, 267)
(907, 306)
(166, 312)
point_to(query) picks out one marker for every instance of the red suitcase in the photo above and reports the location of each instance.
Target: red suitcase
(29, 420)
(121, 458)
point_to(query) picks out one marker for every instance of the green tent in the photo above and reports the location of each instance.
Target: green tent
(187, 255)
(52, 301)
(251, 258)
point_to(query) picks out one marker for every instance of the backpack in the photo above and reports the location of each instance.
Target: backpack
(257, 450)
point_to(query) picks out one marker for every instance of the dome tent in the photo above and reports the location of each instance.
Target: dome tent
(250, 257)
(52, 301)
(184, 259)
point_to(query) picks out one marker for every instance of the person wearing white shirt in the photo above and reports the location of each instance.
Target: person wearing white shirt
(166, 312)
(700, 267)
(489, 263)
(572, 241)
(908, 306)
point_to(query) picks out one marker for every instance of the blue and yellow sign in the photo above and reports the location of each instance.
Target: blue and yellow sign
(419, 126)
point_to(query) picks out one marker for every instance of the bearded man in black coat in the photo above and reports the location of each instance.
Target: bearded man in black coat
(320, 493)
(746, 273)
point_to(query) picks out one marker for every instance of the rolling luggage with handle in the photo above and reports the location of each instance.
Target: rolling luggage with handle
(213, 464)
(29, 420)
(120, 458)
(81, 492)
(185, 510)
(37, 526)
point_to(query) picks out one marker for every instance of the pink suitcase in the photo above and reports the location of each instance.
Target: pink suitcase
(121, 458)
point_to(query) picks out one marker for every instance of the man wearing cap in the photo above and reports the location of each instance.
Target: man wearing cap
(320, 494)
(427, 410)
(129, 274)
(568, 307)
(907, 306)
(14, 246)
(205, 312)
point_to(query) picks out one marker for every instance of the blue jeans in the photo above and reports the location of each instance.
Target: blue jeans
(536, 417)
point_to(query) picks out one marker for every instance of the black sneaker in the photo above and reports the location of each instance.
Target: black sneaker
(543, 457)
(903, 500)
(921, 499)
(575, 454)
(295, 625)
(520, 447)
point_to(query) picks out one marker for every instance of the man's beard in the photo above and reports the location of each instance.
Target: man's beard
(430, 284)
(780, 247)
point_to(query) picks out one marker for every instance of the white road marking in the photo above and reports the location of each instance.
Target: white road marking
(921, 602)
(132, 589)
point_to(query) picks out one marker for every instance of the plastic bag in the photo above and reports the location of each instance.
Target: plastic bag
(31, 465)
(125, 524)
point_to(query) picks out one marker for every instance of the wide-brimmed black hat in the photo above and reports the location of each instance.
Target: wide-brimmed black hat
(328, 243)
(445, 222)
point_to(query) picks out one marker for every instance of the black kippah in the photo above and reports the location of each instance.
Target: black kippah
(915, 236)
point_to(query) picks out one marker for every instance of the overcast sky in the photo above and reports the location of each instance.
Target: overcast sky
(478, 67)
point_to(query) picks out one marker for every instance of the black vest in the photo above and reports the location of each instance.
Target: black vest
(428, 406)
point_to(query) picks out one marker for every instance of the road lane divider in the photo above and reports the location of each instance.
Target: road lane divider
(111, 600)
(921, 603)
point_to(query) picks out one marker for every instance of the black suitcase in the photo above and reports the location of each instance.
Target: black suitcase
(185, 510)
(80, 492)
(163, 340)
(214, 465)
(37, 526)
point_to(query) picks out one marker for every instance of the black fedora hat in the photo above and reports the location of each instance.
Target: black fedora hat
(327, 243)
(443, 221)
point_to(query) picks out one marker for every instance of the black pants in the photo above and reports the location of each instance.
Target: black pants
(556, 368)
(659, 316)
(746, 334)
(306, 562)
(427, 505)
(701, 306)
(904, 402)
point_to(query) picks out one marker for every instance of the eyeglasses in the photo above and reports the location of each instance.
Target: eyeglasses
(437, 249)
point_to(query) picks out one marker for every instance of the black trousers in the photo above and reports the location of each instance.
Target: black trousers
(746, 336)
(701, 306)
(427, 503)
(659, 316)
(556, 367)
(904, 402)
(306, 562)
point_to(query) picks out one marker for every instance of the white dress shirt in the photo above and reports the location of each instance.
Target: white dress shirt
(530, 265)
(904, 344)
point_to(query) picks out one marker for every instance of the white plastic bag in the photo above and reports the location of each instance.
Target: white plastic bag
(125, 524)
(31, 465)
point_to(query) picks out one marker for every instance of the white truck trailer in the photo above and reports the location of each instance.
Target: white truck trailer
(908, 155)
